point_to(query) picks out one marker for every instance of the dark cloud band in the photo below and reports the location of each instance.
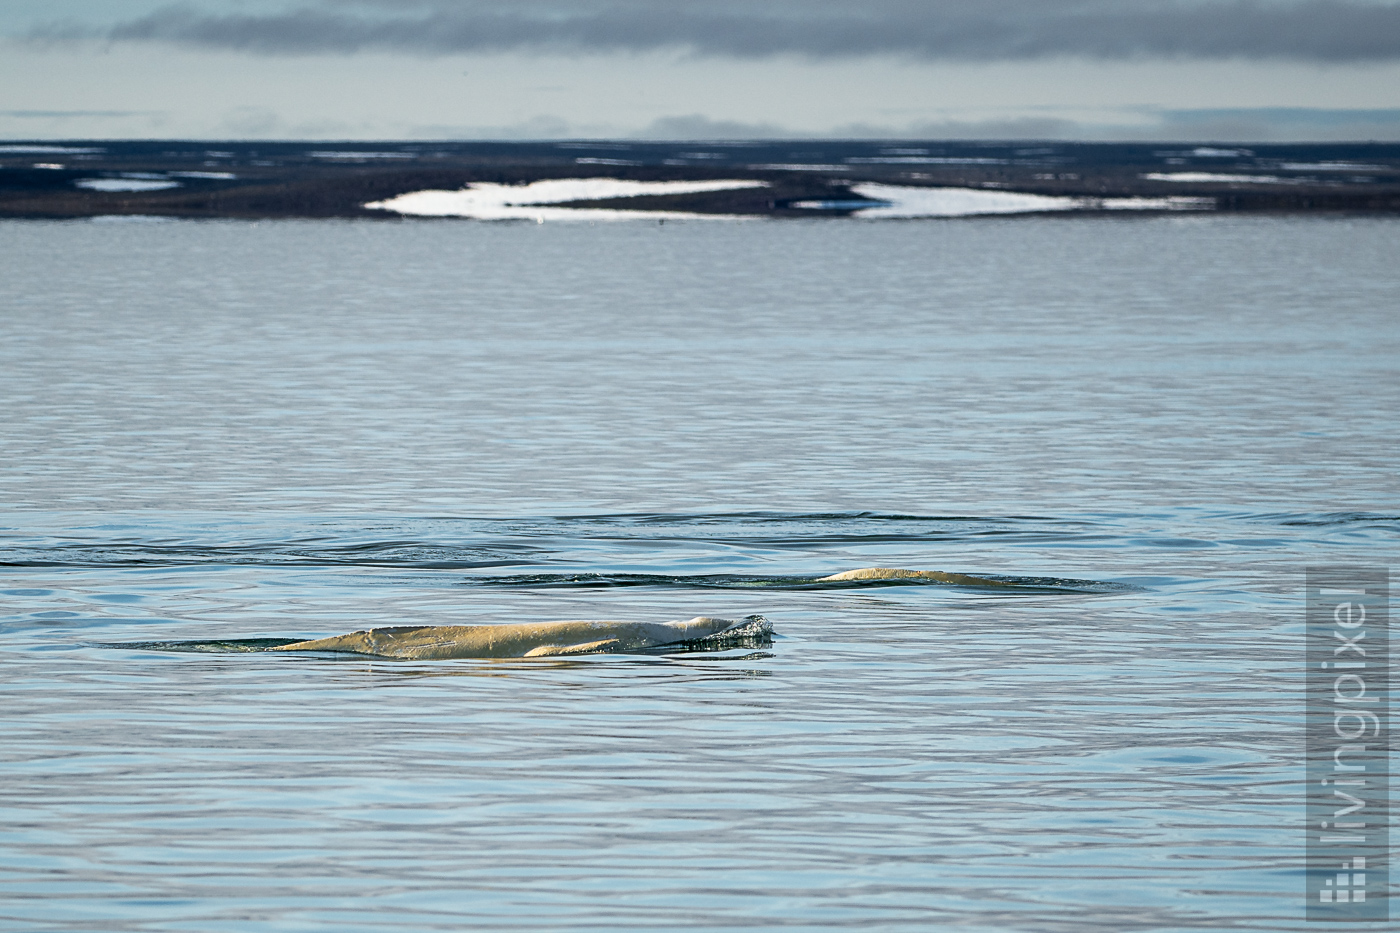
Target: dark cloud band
(1307, 30)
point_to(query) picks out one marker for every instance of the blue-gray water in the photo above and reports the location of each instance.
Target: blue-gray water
(233, 430)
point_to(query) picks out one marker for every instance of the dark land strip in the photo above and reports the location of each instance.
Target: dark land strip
(48, 179)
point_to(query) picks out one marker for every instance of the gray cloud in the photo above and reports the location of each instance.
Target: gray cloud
(1280, 124)
(698, 126)
(1235, 125)
(1300, 30)
(1011, 128)
(73, 114)
(1249, 124)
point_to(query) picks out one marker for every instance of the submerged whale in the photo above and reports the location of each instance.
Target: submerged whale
(894, 573)
(532, 639)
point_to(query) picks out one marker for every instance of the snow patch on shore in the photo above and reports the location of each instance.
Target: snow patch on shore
(1207, 177)
(125, 184)
(906, 202)
(543, 200)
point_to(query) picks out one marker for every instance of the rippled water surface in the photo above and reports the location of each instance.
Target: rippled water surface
(1136, 432)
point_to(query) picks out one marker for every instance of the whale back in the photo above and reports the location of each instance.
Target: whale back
(895, 573)
(522, 640)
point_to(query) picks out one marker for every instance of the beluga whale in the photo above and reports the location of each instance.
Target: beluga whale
(896, 573)
(535, 639)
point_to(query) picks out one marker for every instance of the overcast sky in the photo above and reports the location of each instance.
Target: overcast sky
(1247, 70)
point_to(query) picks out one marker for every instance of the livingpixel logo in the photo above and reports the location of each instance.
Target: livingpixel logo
(1348, 744)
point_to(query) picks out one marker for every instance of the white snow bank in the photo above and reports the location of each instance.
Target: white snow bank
(1194, 177)
(1176, 203)
(906, 202)
(124, 184)
(540, 200)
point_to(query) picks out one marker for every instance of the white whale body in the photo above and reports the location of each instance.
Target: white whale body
(895, 573)
(530, 639)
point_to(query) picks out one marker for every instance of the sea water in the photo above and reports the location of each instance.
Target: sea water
(1147, 427)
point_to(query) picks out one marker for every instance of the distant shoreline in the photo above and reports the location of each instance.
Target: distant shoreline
(47, 179)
